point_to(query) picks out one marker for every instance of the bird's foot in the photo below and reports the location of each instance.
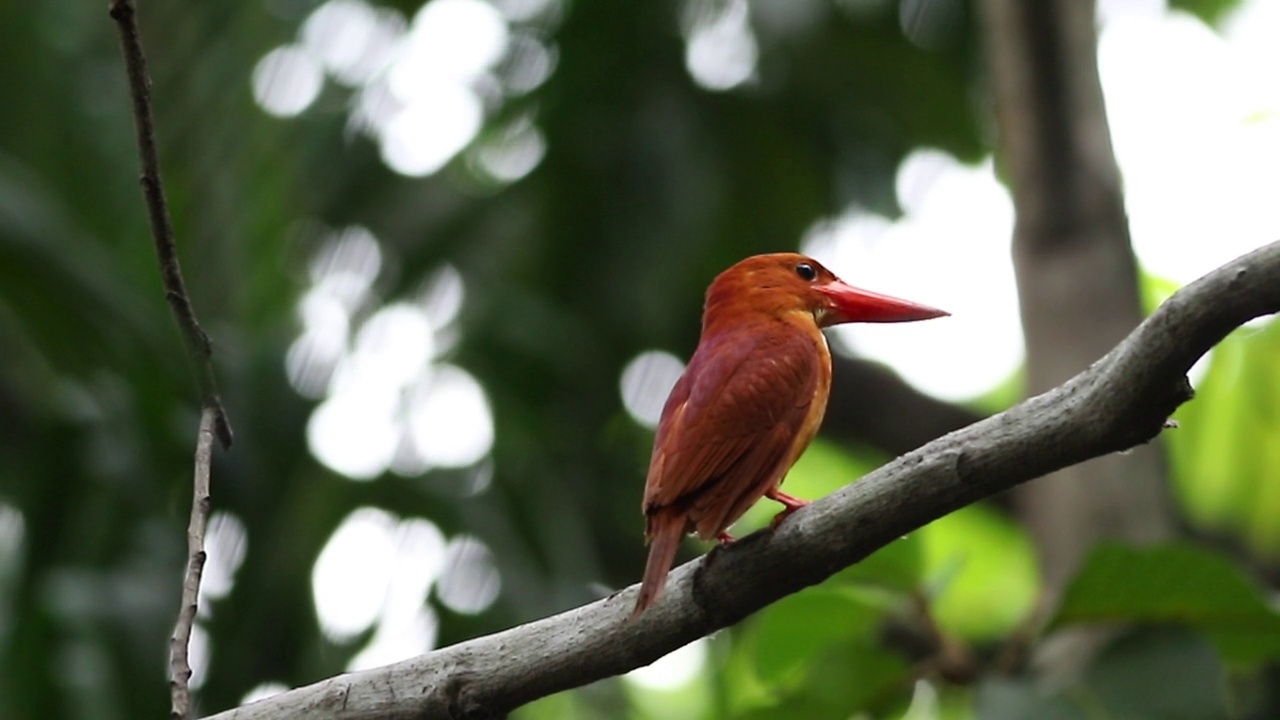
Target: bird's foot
(725, 539)
(790, 504)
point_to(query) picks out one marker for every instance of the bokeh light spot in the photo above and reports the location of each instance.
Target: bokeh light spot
(949, 250)
(673, 670)
(441, 297)
(353, 41)
(350, 578)
(720, 50)
(406, 624)
(312, 358)
(469, 583)
(199, 655)
(528, 64)
(12, 539)
(646, 381)
(354, 433)
(226, 545)
(398, 639)
(423, 136)
(512, 152)
(388, 403)
(543, 12)
(262, 691)
(421, 89)
(12, 536)
(347, 264)
(449, 418)
(391, 348)
(286, 81)
(452, 39)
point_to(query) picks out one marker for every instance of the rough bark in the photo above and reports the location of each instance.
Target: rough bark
(1119, 402)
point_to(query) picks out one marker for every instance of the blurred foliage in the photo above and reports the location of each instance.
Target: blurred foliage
(1176, 584)
(649, 186)
(1148, 673)
(1211, 11)
(1225, 449)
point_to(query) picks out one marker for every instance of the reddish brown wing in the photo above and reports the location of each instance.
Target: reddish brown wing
(730, 423)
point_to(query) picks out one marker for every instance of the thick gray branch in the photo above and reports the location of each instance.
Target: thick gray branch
(1122, 400)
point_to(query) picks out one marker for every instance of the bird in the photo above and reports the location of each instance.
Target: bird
(750, 400)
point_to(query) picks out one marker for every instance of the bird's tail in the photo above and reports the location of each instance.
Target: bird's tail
(665, 531)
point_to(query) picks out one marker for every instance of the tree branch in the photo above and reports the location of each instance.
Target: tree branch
(1122, 400)
(179, 667)
(199, 348)
(213, 417)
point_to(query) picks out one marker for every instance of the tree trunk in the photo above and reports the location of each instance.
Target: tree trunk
(1077, 277)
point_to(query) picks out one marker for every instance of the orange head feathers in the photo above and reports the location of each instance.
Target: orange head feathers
(782, 283)
(750, 400)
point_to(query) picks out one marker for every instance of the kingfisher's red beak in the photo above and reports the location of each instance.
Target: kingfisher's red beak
(851, 304)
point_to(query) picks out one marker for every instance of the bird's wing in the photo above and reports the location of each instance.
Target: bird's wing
(730, 424)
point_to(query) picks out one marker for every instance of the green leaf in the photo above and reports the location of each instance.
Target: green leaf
(1177, 584)
(983, 570)
(851, 676)
(1224, 456)
(1210, 11)
(1207, 466)
(1001, 698)
(1154, 290)
(1159, 673)
(560, 706)
(860, 677)
(791, 632)
(897, 567)
(1166, 673)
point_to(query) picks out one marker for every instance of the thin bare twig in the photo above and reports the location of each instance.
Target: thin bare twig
(213, 417)
(199, 349)
(179, 665)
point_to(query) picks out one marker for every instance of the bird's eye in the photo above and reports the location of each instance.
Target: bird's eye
(806, 272)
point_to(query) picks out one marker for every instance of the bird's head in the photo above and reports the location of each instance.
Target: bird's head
(785, 283)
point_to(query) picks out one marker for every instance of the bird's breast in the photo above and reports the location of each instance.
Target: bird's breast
(817, 402)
